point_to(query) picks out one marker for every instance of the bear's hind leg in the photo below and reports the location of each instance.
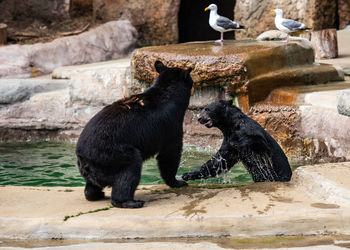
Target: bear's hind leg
(93, 192)
(126, 180)
(259, 166)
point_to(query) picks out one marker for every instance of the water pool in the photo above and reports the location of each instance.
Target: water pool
(54, 164)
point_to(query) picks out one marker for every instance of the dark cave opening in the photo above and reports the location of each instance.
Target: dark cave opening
(194, 21)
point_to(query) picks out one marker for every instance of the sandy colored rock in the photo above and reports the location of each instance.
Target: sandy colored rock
(302, 119)
(244, 68)
(155, 20)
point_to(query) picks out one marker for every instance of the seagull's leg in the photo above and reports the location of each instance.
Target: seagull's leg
(218, 41)
(287, 40)
(221, 38)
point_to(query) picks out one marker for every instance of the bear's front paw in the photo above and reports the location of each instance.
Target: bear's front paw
(187, 176)
(128, 204)
(178, 184)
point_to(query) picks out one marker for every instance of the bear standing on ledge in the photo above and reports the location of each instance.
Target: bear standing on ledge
(116, 141)
(244, 140)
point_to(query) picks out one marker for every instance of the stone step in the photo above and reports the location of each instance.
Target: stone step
(322, 95)
(306, 122)
(261, 86)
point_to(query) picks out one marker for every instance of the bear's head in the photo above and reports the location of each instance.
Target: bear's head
(172, 76)
(218, 114)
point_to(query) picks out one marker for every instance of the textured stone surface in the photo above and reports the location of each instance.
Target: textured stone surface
(272, 35)
(343, 99)
(315, 202)
(244, 68)
(344, 13)
(17, 90)
(112, 40)
(256, 15)
(47, 10)
(306, 130)
(155, 20)
(44, 108)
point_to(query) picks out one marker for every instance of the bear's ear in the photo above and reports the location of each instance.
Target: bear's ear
(159, 66)
(187, 73)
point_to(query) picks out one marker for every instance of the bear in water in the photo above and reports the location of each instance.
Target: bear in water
(244, 140)
(116, 141)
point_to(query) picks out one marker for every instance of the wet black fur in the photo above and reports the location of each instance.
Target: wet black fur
(116, 141)
(244, 140)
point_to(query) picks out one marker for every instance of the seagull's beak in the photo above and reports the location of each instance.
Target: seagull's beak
(206, 9)
(272, 10)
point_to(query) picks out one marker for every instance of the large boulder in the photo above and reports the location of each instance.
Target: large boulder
(40, 108)
(155, 20)
(257, 18)
(249, 70)
(109, 41)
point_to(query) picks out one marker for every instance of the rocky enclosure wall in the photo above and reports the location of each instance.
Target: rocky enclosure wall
(48, 10)
(316, 14)
(109, 41)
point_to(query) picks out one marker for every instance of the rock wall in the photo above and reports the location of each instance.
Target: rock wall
(306, 134)
(39, 108)
(256, 15)
(343, 13)
(155, 20)
(48, 9)
(109, 41)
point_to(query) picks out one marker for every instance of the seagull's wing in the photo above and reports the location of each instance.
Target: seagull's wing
(292, 24)
(226, 23)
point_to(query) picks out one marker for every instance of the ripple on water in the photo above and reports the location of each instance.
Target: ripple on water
(54, 164)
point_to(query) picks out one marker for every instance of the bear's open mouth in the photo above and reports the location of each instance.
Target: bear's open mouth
(209, 123)
(206, 121)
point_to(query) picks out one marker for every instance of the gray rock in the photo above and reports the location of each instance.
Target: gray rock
(343, 98)
(18, 90)
(109, 41)
(64, 104)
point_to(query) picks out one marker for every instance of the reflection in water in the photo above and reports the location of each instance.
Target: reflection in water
(54, 164)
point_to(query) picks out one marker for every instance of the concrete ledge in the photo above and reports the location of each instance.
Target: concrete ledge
(258, 209)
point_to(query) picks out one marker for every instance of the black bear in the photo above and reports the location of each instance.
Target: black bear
(244, 140)
(116, 141)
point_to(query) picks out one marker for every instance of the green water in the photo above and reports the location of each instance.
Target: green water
(54, 164)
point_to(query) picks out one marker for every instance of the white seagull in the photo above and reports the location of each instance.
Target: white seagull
(287, 25)
(221, 23)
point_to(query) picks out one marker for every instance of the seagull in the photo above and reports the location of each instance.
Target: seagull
(220, 23)
(287, 25)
